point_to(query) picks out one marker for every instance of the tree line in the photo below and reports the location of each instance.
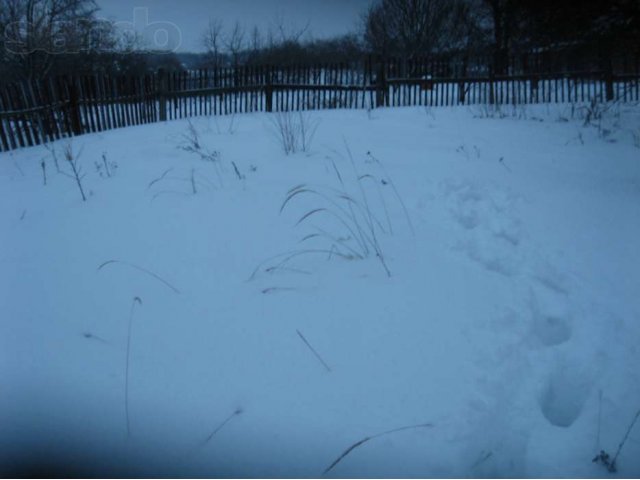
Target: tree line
(56, 37)
(410, 28)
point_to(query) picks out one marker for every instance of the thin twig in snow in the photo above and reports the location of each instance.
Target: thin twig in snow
(277, 289)
(599, 419)
(106, 164)
(194, 190)
(159, 178)
(75, 168)
(43, 165)
(366, 439)
(501, 160)
(287, 269)
(395, 191)
(18, 167)
(144, 270)
(313, 351)
(482, 459)
(235, 168)
(287, 257)
(169, 192)
(91, 336)
(238, 411)
(624, 440)
(126, 376)
(51, 149)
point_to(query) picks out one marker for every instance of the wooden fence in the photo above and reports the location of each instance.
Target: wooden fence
(36, 112)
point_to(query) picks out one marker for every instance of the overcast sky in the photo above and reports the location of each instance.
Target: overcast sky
(181, 23)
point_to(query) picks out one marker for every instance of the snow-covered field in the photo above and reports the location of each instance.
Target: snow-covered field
(510, 322)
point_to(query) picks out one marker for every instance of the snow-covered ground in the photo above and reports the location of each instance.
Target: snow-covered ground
(510, 322)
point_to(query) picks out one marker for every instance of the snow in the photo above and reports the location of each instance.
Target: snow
(510, 322)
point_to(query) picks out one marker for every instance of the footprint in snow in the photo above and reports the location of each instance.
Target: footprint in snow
(565, 393)
(551, 317)
(491, 232)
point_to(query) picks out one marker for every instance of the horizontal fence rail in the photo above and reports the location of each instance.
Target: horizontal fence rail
(36, 112)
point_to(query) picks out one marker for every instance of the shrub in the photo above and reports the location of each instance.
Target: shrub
(192, 143)
(76, 170)
(294, 131)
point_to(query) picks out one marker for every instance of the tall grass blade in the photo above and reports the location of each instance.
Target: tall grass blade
(144, 270)
(313, 350)
(366, 439)
(126, 375)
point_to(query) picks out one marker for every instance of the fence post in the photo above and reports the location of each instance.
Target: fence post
(74, 107)
(381, 85)
(4, 144)
(367, 84)
(162, 95)
(268, 91)
(534, 88)
(492, 92)
(608, 78)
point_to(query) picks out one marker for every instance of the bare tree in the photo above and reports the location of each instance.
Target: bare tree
(377, 31)
(284, 43)
(288, 33)
(255, 46)
(212, 40)
(469, 32)
(255, 39)
(410, 27)
(35, 32)
(503, 14)
(234, 42)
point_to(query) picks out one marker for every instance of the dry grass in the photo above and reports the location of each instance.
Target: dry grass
(353, 229)
(126, 375)
(313, 350)
(73, 160)
(294, 131)
(192, 143)
(366, 439)
(237, 412)
(342, 220)
(605, 459)
(141, 269)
